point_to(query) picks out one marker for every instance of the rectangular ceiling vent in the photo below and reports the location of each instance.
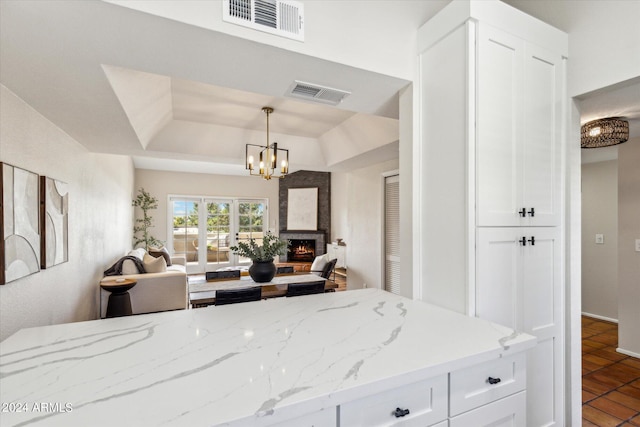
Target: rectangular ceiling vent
(282, 18)
(317, 93)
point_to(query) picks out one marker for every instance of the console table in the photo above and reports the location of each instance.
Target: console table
(364, 357)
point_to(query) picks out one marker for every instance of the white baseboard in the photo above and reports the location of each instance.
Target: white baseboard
(628, 353)
(595, 316)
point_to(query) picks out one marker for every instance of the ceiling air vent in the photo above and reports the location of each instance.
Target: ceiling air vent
(283, 18)
(317, 93)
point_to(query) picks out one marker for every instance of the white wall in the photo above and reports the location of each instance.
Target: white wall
(603, 39)
(161, 184)
(603, 45)
(100, 219)
(406, 191)
(356, 201)
(600, 261)
(573, 271)
(628, 258)
(339, 206)
(377, 36)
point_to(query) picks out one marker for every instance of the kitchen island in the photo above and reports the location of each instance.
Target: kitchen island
(299, 361)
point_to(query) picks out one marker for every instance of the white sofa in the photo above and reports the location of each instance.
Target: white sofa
(167, 290)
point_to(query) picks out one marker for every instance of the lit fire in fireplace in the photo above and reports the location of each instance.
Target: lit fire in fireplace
(302, 250)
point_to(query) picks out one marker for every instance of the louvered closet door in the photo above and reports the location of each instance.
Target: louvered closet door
(392, 233)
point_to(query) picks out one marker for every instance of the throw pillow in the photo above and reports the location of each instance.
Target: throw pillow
(154, 265)
(161, 252)
(318, 265)
(129, 267)
(138, 253)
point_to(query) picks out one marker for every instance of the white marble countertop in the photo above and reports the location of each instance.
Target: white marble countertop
(242, 364)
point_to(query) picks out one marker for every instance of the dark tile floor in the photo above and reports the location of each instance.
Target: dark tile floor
(610, 380)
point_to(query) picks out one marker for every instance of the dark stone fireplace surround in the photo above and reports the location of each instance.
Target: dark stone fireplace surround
(308, 179)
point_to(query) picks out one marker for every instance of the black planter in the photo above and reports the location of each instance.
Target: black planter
(262, 271)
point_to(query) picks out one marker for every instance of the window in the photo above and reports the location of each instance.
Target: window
(204, 236)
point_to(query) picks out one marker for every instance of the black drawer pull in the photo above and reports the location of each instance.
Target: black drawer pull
(523, 241)
(493, 381)
(532, 240)
(532, 212)
(399, 413)
(523, 212)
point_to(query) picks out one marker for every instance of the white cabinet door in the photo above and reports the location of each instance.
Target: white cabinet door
(519, 285)
(499, 132)
(542, 136)
(518, 131)
(331, 253)
(338, 252)
(507, 412)
(542, 317)
(499, 270)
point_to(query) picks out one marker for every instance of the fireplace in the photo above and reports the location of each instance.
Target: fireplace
(303, 250)
(316, 241)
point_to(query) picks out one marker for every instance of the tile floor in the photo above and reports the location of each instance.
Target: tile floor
(610, 380)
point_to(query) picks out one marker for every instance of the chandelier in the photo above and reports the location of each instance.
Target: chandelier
(268, 156)
(604, 132)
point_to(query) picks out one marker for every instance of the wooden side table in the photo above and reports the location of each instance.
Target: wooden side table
(119, 301)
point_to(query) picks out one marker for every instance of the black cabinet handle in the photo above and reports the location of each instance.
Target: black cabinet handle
(523, 241)
(523, 212)
(532, 212)
(532, 240)
(493, 381)
(399, 413)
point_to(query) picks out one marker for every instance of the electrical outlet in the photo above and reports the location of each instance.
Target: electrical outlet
(637, 245)
(600, 239)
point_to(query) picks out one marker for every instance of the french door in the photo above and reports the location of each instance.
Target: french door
(203, 229)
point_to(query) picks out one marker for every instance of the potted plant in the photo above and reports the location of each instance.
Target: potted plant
(145, 202)
(263, 269)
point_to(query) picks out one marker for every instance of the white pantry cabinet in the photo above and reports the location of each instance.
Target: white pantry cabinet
(491, 115)
(518, 131)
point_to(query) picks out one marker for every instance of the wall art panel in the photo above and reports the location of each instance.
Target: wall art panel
(54, 214)
(20, 238)
(302, 213)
